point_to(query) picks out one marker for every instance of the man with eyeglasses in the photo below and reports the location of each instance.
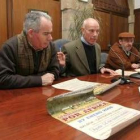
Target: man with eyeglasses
(128, 54)
(29, 59)
(83, 56)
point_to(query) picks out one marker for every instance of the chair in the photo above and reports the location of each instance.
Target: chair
(103, 58)
(59, 43)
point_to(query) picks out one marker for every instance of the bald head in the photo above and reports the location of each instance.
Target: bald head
(90, 21)
(90, 30)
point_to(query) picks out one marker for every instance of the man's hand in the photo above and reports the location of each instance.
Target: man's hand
(47, 79)
(61, 58)
(135, 66)
(112, 72)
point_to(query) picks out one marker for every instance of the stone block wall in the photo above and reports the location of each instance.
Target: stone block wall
(67, 9)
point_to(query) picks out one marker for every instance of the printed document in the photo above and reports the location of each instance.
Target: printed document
(74, 85)
(98, 119)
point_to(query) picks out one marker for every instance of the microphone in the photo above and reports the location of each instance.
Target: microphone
(124, 80)
(135, 75)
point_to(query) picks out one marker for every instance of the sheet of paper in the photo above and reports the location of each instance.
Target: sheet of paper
(126, 73)
(137, 70)
(74, 85)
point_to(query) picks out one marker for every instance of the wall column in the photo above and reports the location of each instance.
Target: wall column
(131, 18)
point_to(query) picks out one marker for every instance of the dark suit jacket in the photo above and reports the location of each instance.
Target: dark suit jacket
(76, 60)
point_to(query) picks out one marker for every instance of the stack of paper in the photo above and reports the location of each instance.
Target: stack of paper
(74, 85)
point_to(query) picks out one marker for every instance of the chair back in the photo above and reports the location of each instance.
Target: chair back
(104, 57)
(59, 43)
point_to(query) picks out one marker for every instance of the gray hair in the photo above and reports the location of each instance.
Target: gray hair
(33, 19)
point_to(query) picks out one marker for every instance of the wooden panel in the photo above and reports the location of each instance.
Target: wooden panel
(122, 3)
(114, 6)
(118, 24)
(137, 25)
(104, 36)
(3, 22)
(111, 26)
(9, 18)
(114, 16)
(20, 8)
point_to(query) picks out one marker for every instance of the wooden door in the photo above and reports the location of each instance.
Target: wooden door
(114, 20)
(3, 22)
(12, 13)
(137, 25)
(20, 8)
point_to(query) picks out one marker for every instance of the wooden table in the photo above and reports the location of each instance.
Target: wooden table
(23, 113)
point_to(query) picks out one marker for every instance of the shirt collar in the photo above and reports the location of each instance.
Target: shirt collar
(83, 40)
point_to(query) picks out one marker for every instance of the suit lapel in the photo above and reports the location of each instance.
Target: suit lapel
(81, 54)
(97, 58)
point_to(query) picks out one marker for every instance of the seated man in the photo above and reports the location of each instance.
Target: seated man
(129, 55)
(83, 56)
(30, 59)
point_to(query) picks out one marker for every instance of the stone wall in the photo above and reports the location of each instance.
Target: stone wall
(67, 9)
(131, 18)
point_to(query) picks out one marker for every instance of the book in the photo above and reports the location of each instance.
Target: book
(84, 112)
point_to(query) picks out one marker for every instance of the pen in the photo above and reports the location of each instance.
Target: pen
(60, 49)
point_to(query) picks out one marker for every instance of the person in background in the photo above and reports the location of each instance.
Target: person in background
(83, 56)
(129, 55)
(29, 59)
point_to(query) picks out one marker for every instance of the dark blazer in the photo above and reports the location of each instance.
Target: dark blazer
(12, 76)
(76, 60)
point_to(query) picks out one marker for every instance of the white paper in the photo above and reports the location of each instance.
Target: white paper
(98, 119)
(126, 73)
(137, 70)
(105, 122)
(139, 89)
(74, 85)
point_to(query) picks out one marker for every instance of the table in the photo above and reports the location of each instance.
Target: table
(23, 113)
